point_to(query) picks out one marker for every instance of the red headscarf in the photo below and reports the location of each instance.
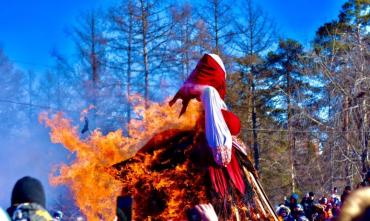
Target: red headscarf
(209, 72)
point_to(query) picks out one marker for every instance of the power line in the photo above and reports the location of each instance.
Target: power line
(248, 129)
(36, 105)
(301, 131)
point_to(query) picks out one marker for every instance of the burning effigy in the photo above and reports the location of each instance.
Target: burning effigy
(169, 176)
(168, 164)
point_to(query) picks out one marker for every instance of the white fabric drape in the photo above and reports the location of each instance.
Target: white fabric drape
(217, 133)
(219, 61)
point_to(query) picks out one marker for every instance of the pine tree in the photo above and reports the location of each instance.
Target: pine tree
(289, 91)
(253, 36)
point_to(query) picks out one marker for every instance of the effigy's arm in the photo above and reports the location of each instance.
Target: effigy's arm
(207, 83)
(217, 132)
(187, 92)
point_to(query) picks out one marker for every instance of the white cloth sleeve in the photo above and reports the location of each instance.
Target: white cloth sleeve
(217, 133)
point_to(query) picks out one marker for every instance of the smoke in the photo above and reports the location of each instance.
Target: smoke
(27, 151)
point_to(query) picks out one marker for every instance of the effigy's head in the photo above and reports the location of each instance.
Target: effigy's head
(218, 60)
(210, 71)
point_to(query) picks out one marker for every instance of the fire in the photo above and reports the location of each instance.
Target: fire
(160, 190)
(91, 177)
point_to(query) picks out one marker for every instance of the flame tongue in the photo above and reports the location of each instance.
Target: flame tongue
(89, 176)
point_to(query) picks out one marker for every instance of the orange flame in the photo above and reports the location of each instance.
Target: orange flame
(89, 175)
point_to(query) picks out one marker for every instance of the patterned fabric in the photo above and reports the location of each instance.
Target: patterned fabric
(221, 155)
(31, 212)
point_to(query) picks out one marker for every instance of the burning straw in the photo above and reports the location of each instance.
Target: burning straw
(89, 175)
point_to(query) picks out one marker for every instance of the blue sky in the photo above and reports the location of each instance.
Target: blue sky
(299, 19)
(29, 30)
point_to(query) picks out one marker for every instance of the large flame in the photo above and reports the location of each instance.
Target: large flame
(164, 181)
(89, 176)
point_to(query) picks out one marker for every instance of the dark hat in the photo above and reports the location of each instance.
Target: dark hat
(28, 190)
(311, 194)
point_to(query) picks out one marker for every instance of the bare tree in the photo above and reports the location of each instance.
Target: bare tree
(123, 46)
(152, 33)
(91, 45)
(255, 33)
(218, 16)
(187, 41)
(11, 82)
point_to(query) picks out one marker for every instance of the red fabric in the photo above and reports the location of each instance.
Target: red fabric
(232, 121)
(218, 177)
(218, 180)
(209, 72)
(235, 173)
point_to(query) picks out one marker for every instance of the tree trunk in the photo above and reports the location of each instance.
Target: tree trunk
(365, 139)
(216, 26)
(331, 151)
(129, 62)
(256, 151)
(94, 68)
(144, 23)
(291, 138)
(254, 125)
(347, 136)
(30, 80)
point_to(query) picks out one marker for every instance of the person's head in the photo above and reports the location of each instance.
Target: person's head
(323, 201)
(58, 215)
(329, 205)
(335, 190)
(357, 206)
(335, 202)
(294, 198)
(283, 211)
(31, 212)
(311, 195)
(28, 190)
(298, 210)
